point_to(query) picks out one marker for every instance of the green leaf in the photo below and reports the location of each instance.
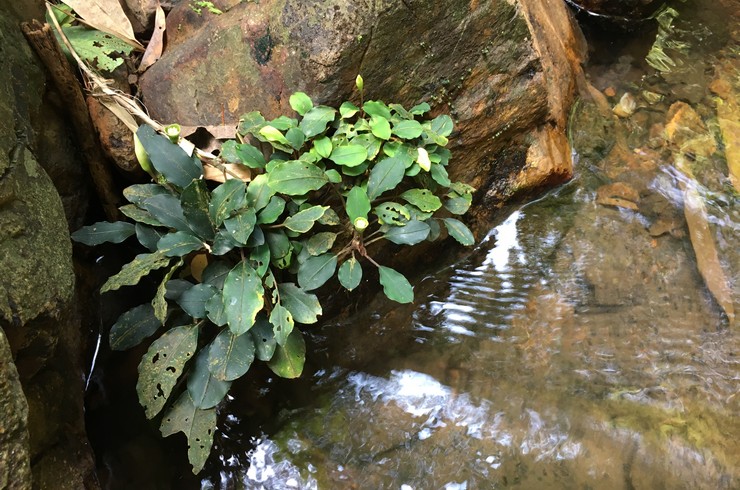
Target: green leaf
(288, 360)
(315, 271)
(459, 231)
(159, 302)
(411, 233)
(384, 176)
(272, 211)
(96, 47)
(420, 109)
(193, 301)
(380, 127)
(241, 225)
(442, 125)
(223, 243)
(350, 274)
(282, 322)
(273, 135)
(358, 204)
(137, 214)
(314, 122)
(167, 210)
(392, 213)
(301, 103)
(348, 109)
(333, 176)
(376, 108)
(304, 220)
(348, 155)
(279, 244)
(138, 193)
(395, 286)
(263, 337)
(355, 171)
(422, 199)
(226, 198)
(243, 297)
(370, 143)
(148, 236)
(323, 146)
(178, 244)
(230, 356)
(133, 327)
(401, 111)
(162, 365)
(458, 205)
(250, 156)
(132, 272)
(296, 138)
(205, 389)
(320, 242)
(215, 274)
(407, 129)
(259, 193)
(103, 232)
(194, 202)
(251, 122)
(439, 174)
(304, 307)
(215, 309)
(260, 259)
(175, 288)
(330, 218)
(284, 123)
(295, 178)
(168, 158)
(197, 424)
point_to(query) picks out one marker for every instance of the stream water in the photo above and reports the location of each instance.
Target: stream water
(578, 345)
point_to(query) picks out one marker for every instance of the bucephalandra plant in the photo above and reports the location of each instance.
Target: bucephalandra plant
(239, 262)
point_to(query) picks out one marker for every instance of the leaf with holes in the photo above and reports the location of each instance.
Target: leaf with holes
(230, 356)
(243, 297)
(282, 323)
(205, 389)
(162, 365)
(103, 232)
(197, 424)
(133, 327)
(422, 199)
(264, 338)
(392, 213)
(304, 307)
(288, 360)
(132, 272)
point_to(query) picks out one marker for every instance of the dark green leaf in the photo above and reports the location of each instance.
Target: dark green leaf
(138, 193)
(132, 272)
(133, 327)
(301, 103)
(178, 244)
(320, 242)
(260, 259)
(162, 365)
(350, 274)
(175, 288)
(422, 199)
(304, 307)
(376, 108)
(194, 202)
(223, 243)
(264, 338)
(251, 122)
(407, 129)
(243, 297)
(215, 309)
(395, 286)
(272, 211)
(197, 424)
(148, 236)
(205, 389)
(226, 198)
(215, 274)
(241, 225)
(168, 158)
(279, 244)
(230, 356)
(137, 214)
(459, 231)
(288, 360)
(315, 271)
(282, 323)
(193, 301)
(295, 178)
(380, 127)
(315, 120)
(384, 176)
(259, 193)
(411, 233)
(304, 220)
(167, 210)
(103, 232)
(348, 155)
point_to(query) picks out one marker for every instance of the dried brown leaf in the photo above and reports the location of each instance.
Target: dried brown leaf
(107, 16)
(156, 43)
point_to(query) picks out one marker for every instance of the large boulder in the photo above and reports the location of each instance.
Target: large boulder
(505, 70)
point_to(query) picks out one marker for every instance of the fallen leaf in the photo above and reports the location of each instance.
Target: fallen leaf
(156, 43)
(107, 16)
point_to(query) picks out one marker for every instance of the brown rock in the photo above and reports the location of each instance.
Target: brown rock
(619, 195)
(115, 137)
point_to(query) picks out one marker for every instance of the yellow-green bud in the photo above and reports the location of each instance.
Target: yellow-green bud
(360, 83)
(360, 223)
(142, 156)
(173, 132)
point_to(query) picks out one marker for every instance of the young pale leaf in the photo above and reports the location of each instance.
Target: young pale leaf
(423, 160)
(411, 233)
(359, 82)
(422, 199)
(350, 274)
(193, 301)
(288, 360)
(395, 286)
(358, 204)
(226, 198)
(272, 211)
(197, 424)
(162, 365)
(315, 271)
(384, 176)
(304, 307)
(167, 209)
(205, 389)
(296, 178)
(380, 127)
(133, 327)
(323, 146)
(168, 158)
(178, 244)
(304, 220)
(263, 337)
(241, 225)
(301, 103)
(314, 122)
(243, 297)
(407, 129)
(282, 323)
(132, 272)
(103, 232)
(273, 135)
(194, 202)
(348, 109)
(259, 193)
(377, 108)
(230, 356)
(459, 231)
(420, 110)
(348, 155)
(392, 213)
(442, 125)
(320, 242)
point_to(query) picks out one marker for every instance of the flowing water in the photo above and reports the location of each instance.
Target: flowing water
(578, 346)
